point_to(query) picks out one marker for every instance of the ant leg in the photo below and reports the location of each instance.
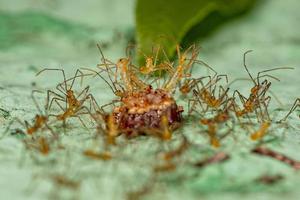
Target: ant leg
(60, 88)
(111, 85)
(11, 123)
(266, 103)
(35, 101)
(75, 76)
(57, 96)
(222, 75)
(55, 99)
(198, 100)
(108, 104)
(257, 114)
(81, 121)
(223, 92)
(242, 98)
(82, 113)
(49, 69)
(54, 134)
(96, 106)
(59, 105)
(84, 91)
(192, 108)
(295, 105)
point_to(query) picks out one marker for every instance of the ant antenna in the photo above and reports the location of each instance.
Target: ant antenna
(105, 64)
(268, 70)
(49, 69)
(244, 62)
(128, 49)
(91, 70)
(35, 101)
(76, 76)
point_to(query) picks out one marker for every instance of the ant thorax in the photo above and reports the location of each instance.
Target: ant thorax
(144, 109)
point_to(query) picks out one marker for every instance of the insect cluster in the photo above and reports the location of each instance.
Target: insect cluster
(146, 103)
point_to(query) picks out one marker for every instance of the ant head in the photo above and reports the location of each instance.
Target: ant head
(265, 82)
(123, 61)
(119, 93)
(70, 92)
(224, 116)
(149, 60)
(204, 121)
(254, 89)
(184, 89)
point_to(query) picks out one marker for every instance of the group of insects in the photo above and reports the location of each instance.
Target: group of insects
(146, 104)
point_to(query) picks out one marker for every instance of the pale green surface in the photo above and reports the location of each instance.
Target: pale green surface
(272, 30)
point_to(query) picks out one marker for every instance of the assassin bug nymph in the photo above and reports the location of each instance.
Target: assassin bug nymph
(74, 104)
(40, 121)
(258, 100)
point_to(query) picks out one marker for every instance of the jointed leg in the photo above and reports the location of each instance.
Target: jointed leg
(295, 105)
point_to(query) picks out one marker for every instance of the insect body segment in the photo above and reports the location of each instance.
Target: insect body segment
(261, 132)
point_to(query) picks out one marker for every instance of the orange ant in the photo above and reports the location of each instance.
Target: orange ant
(295, 105)
(257, 98)
(74, 105)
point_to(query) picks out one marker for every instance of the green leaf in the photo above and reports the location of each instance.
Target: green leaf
(168, 22)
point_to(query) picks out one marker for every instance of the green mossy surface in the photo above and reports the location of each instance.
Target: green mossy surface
(271, 30)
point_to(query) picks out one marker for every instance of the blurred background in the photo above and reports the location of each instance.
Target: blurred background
(35, 34)
(40, 33)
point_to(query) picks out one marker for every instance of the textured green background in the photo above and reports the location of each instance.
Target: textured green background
(67, 39)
